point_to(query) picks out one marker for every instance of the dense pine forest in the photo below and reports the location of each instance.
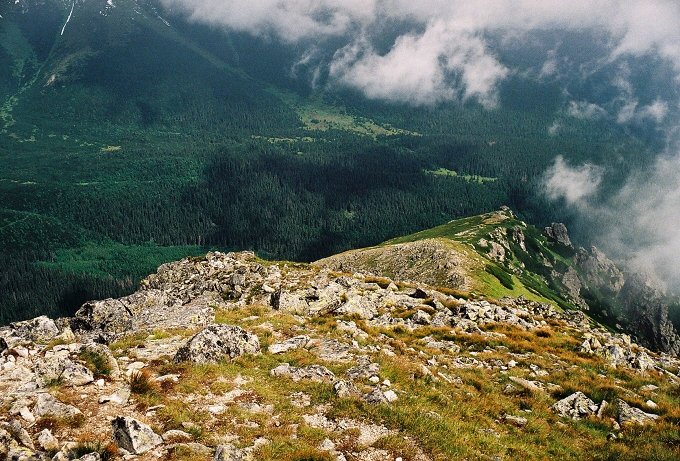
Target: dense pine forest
(116, 157)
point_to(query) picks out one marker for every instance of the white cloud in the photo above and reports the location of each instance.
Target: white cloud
(418, 68)
(573, 184)
(639, 224)
(445, 56)
(585, 110)
(656, 111)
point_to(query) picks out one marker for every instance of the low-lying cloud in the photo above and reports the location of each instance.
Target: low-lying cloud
(443, 53)
(573, 184)
(639, 224)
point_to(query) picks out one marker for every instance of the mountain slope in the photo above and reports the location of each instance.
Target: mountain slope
(497, 255)
(228, 356)
(129, 133)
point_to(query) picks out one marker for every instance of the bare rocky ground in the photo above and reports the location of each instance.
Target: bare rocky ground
(229, 357)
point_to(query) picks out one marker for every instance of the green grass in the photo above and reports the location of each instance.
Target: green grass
(454, 174)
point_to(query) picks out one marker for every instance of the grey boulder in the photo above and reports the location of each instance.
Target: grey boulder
(134, 436)
(217, 343)
(576, 406)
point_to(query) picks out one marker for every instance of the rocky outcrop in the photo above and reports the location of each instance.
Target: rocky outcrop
(559, 233)
(599, 272)
(217, 343)
(646, 311)
(631, 415)
(576, 406)
(334, 342)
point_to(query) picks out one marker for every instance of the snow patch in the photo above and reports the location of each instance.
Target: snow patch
(69, 17)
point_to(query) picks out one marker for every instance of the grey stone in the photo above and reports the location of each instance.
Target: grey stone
(18, 433)
(517, 421)
(576, 406)
(631, 415)
(345, 389)
(177, 436)
(316, 373)
(39, 329)
(559, 233)
(47, 441)
(134, 436)
(298, 342)
(421, 318)
(229, 452)
(48, 406)
(217, 343)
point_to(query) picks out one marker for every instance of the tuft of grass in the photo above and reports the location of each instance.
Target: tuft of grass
(142, 383)
(88, 445)
(55, 424)
(97, 363)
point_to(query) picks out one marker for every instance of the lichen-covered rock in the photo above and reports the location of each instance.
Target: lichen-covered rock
(217, 343)
(297, 342)
(344, 389)
(576, 406)
(49, 406)
(229, 452)
(39, 329)
(375, 397)
(47, 441)
(134, 436)
(632, 415)
(56, 366)
(316, 373)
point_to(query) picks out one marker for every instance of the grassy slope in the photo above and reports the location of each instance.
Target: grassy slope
(447, 420)
(490, 278)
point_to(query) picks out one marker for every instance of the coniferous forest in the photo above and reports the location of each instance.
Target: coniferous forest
(125, 144)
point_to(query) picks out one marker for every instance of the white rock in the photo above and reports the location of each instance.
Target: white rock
(47, 441)
(134, 436)
(391, 396)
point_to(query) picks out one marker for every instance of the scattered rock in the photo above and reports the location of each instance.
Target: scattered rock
(298, 342)
(134, 436)
(229, 452)
(345, 389)
(517, 421)
(316, 373)
(576, 406)
(47, 441)
(176, 436)
(421, 318)
(49, 406)
(630, 415)
(217, 343)
(120, 397)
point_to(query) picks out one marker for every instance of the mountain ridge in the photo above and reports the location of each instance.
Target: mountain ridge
(229, 356)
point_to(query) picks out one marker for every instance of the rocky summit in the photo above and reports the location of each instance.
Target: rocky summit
(229, 357)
